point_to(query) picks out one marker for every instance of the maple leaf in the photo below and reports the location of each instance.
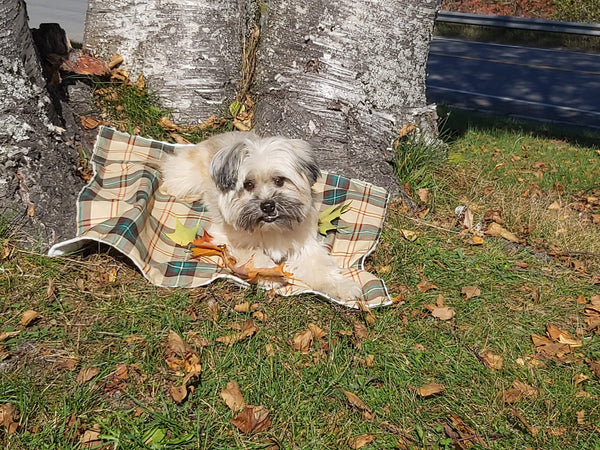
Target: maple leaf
(329, 215)
(203, 246)
(183, 236)
(252, 274)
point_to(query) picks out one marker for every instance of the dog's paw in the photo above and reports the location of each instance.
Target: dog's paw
(340, 288)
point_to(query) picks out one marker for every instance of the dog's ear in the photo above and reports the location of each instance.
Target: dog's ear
(306, 162)
(225, 165)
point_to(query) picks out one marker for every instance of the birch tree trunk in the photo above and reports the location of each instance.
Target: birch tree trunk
(38, 183)
(343, 74)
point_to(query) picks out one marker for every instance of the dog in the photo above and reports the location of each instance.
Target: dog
(258, 194)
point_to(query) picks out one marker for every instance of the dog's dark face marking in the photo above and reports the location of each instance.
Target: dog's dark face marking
(225, 165)
(279, 210)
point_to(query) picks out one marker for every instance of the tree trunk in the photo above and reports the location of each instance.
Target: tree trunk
(344, 74)
(38, 183)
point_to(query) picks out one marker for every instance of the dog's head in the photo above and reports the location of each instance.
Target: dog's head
(264, 182)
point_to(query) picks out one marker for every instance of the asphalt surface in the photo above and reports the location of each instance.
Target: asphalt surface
(521, 82)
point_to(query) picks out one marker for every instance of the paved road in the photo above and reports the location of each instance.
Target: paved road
(521, 82)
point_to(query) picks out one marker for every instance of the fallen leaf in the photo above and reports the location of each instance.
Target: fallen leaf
(303, 341)
(519, 391)
(260, 316)
(465, 216)
(8, 334)
(242, 307)
(442, 312)
(330, 214)
(178, 393)
(580, 378)
(197, 340)
(361, 440)
(475, 240)
(423, 194)
(406, 130)
(115, 60)
(355, 401)
(430, 389)
(249, 329)
(425, 286)
(317, 332)
(533, 430)
(91, 438)
(595, 367)
(491, 360)
(86, 375)
(360, 330)
(232, 396)
(493, 215)
(466, 435)
(409, 235)
(9, 417)
(497, 230)
(89, 123)
(252, 419)
(179, 138)
(183, 236)
(370, 361)
(28, 316)
(580, 417)
(470, 292)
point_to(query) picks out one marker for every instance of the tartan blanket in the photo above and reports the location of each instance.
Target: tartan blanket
(122, 207)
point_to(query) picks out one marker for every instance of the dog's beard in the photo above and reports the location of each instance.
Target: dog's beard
(287, 212)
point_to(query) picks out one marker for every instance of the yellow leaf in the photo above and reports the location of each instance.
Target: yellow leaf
(183, 236)
(430, 389)
(329, 215)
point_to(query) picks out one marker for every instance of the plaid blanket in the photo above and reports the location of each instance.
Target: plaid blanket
(122, 207)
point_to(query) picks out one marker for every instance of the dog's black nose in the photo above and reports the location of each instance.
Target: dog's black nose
(268, 206)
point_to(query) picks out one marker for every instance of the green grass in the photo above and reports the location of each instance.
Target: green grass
(97, 302)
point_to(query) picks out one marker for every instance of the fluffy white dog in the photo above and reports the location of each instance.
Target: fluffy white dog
(258, 195)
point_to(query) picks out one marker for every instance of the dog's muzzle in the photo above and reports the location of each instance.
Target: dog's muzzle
(268, 207)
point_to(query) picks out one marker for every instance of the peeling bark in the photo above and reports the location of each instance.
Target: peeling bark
(343, 74)
(38, 184)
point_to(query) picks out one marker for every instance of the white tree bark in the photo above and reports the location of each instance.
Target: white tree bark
(38, 185)
(188, 50)
(344, 74)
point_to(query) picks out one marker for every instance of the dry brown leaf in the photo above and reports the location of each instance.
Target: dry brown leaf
(86, 375)
(141, 82)
(242, 307)
(115, 60)
(28, 316)
(260, 316)
(252, 419)
(562, 336)
(179, 138)
(491, 360)
(89, 123)
(406, 130)
(409, 235)
(317, 332)
(214, 308)
(519, 391)
(8, 334)
(430, 389)
(497, 230)
(68, 363)
(178, 393)
(475, 240)
(360, 330)
(465, 436)
(249, 329)
(175, 345)
(595, 367)
(197, 340)
(425, 286)
(302, 342)
(580, 378)
(533, 430)
(91, 438)
(270, 350)
(361, 440)
(423, 194)
(232, 396)
(470, 292)
(9, 417)
(443, 312)
(356, 401)
(168, 124)
(580, 417)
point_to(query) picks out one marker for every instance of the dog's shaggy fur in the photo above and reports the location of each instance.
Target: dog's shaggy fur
(258, 195)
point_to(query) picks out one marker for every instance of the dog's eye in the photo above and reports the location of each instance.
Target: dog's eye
(279, 181)
(249, 185)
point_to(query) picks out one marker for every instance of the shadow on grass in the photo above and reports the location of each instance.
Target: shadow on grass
(454, 123)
